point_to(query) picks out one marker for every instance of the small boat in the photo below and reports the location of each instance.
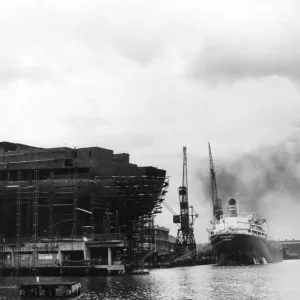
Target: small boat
(140, 272)
(50, 290)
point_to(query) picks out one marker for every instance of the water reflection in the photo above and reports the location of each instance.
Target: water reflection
(273, 281)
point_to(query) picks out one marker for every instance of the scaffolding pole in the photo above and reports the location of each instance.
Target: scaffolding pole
(50, 202)
(35, 217)
(74, 230)
(2, 253)
(19, 220)
(92, 208)
(1, 238)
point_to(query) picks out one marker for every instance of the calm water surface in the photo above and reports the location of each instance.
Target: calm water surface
(273, 281)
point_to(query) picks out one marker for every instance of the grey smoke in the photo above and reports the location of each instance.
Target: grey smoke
(268, 171)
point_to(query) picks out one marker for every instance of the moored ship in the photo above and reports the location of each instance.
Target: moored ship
(238, 238)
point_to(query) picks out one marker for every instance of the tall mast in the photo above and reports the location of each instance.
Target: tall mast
(217, 204)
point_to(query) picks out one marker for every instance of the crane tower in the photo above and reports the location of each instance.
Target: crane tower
(185, 241)
(217, 204)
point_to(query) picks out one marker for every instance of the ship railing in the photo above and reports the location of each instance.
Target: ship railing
(125, 178)
(233, 230)
(240, 232)
(239, 215)
(111, 236)
(33, 157)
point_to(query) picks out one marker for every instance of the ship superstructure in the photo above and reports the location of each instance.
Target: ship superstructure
(242, 238)
(246, 223)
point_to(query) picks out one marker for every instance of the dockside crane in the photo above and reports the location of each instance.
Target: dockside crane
(217, 203)
(185, 241)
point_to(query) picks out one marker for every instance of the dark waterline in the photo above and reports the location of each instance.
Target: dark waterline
(277, 281)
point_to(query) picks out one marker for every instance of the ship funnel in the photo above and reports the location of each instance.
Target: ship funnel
(232, 208)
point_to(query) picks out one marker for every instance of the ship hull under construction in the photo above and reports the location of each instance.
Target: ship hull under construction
(243, 249)
(85, 208)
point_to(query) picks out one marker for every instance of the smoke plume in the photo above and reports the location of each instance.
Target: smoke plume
(267, 180)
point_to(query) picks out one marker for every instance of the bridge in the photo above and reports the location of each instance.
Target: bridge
(292, 245)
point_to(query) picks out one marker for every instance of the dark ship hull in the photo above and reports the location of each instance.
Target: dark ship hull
(244, 249)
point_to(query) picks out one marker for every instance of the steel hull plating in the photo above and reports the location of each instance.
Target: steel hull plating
(233, 249)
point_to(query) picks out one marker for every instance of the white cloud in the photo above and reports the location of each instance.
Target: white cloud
(114, 73)
(261, 41)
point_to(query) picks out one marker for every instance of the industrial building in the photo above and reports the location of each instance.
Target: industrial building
(86, 210)
(291, 249)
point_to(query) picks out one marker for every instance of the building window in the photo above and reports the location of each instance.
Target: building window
(90, 153)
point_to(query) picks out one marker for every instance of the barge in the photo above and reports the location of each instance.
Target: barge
(50, 290)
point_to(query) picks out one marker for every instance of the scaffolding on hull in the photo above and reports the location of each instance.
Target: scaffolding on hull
(142, 243)
(2, 253)
(143, 240)
(53, 210)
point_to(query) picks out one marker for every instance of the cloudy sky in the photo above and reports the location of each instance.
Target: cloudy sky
(148, 77)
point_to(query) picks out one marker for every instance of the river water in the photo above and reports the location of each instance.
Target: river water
(272, 281)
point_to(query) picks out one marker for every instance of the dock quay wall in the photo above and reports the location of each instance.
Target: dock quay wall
(65, 257)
